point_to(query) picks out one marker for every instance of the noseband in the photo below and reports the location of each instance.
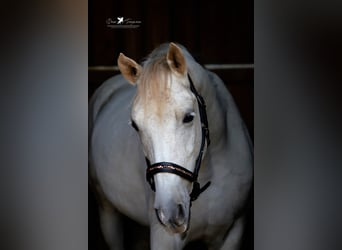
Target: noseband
(170, 167)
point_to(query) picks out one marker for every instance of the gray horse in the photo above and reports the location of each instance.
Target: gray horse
(154, 113)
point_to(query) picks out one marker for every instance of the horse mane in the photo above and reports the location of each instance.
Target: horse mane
(153, 82)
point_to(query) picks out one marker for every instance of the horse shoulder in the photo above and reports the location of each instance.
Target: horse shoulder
(116, 158)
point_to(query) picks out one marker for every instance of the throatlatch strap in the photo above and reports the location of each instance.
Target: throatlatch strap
(197, 190)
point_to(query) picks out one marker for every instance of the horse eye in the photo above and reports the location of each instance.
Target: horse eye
(188, 117)
(134, 125)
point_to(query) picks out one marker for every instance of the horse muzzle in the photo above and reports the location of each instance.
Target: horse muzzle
(174, 217)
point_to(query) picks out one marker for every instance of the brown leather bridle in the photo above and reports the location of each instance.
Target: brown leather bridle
(170, 167)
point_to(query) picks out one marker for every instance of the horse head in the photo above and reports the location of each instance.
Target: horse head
(166, 115)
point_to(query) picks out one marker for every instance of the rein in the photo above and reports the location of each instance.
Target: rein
(170, 167)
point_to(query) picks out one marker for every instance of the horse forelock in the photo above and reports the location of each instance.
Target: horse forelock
(154, 83)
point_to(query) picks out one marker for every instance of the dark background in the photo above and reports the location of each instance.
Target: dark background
(43, 129)
(214, 32)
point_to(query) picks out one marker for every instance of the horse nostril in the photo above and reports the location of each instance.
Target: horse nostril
(174, 217)
(181, 212)
(180, 216)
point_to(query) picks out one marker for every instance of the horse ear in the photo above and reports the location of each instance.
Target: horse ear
(129, 68)
(176, 59)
